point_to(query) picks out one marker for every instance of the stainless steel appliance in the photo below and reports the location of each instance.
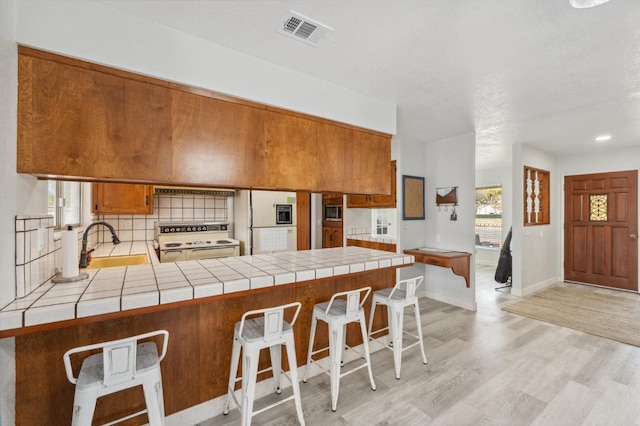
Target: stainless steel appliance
(332, 212)
(265, 221)
(180, 241)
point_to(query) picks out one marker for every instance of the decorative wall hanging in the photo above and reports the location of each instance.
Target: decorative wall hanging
(447, 197)
(536, 196)
(412, 198)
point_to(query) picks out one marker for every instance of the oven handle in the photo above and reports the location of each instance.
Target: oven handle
(171, 250)
(211, 248)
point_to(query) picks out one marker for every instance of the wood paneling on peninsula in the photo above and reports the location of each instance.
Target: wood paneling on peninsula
(78, 120)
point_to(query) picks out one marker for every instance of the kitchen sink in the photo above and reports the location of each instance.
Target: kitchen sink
(113, 261)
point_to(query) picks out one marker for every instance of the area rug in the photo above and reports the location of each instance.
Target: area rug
(610, 316)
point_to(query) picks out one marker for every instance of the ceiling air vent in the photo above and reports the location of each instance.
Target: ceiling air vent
(303, 29)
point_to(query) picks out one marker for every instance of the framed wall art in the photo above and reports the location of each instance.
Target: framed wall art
(412, 198)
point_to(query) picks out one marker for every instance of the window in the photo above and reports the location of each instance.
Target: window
(489, 216)
(64, 203)
(382, 222)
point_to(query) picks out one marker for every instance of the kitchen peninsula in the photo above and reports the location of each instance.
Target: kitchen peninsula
(197, 302)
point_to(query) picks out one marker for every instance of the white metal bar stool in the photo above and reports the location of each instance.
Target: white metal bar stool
(269, 330)
(343, 308)
(403, 294)
(122, 364)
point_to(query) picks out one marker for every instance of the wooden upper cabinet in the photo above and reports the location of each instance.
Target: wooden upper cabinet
(376, 201)
(80, 122)
(382, 201)
(122, 198)
(286, 158)
(146, 152)
(90, 122)
(330, 161)
(367, 163)
(214, 142)
(66, 117)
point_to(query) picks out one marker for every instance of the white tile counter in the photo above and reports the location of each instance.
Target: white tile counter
(111, 290)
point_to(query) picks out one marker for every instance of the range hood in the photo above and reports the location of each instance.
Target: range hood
(187, 190)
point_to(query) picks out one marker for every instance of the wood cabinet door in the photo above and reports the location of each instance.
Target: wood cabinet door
(357, 201)
(386, 201)
(286, 157)
(146, 152)
(214, 141)
(332, 234)
(67, 116)
(367, 163)
(330, 160)
(122, 198)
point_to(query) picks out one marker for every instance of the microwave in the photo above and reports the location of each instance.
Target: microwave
(332, 212)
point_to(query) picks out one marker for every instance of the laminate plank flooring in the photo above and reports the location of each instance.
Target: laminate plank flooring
(485, 368)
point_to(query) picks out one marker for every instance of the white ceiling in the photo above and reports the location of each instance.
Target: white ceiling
(514, 71)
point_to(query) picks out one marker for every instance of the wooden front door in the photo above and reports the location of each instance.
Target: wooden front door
(601, 228)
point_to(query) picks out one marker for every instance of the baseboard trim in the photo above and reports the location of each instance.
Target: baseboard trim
(522, 292)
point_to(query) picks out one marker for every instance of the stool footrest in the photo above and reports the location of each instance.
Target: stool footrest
(130, 416)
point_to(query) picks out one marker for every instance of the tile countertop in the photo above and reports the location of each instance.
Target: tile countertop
(110, 290)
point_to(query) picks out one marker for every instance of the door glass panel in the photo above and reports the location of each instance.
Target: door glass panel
(598, 208)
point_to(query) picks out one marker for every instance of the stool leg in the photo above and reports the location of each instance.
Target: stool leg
(398, 312)
(293, 373)
(371, 314)
(312, 336)
(152, 388)
(276, 365)
(249, 377)
(390, 325)
(366, 348)
(419, 327)
(84, 404)
(344, 344)
(335, 353)
(235, 360)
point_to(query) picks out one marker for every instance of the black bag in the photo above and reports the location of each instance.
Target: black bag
(503, 271)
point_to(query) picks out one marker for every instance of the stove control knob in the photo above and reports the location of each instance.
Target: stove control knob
(188, 229)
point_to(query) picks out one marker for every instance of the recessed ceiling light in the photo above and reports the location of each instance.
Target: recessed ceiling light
(603, 138)
(583, 4)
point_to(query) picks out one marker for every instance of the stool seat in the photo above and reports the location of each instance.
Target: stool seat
(261, 329)
(402, 295)
(254, 329)
(120, 365)
(343, 308)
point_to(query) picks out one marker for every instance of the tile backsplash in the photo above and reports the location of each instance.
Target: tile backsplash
(35, 252)
(166, 208)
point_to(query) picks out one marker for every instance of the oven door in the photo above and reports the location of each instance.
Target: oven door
(172, 255)
(212, 252)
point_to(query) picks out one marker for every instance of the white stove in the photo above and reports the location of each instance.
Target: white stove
(180, 241)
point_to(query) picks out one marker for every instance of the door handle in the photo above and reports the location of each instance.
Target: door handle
(633, 236)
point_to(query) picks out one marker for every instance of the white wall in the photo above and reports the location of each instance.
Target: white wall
(449, 162)
(10, 185)
(100, 34)
(535, 249)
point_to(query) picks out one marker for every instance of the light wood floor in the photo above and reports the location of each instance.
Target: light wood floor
(485, 368)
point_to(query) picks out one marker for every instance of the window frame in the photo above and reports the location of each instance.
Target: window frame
(56, 205)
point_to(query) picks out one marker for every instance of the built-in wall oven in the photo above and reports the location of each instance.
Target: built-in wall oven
(181, 241)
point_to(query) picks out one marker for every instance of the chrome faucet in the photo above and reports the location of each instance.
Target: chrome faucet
(84, 257)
